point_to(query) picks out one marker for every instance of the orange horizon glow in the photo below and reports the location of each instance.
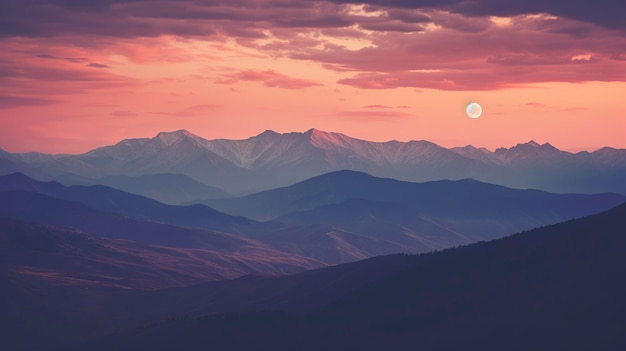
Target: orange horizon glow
(377, 74)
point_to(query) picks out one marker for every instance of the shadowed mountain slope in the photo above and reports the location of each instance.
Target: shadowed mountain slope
(70, 257)
(335, 218)
(415, 217)
(49, 274)
(451, 198)
(116, 201)
(172, 189)
(35, 207)
(59, 284)
(557, 287)
(229, 255)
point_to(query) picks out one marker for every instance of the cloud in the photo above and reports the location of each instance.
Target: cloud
(68, 59)
(28, 72)
(123, 114)
(524, 52)
(459, 22)
(269, 78)
(376, 106)
(574, 109)
(97, 65)
(249, 21)
(33, 78)
(190, 111)
(199, 109)
(438, 44)
(605, 13)
(535, 104)
(9, 101)
(375, 115)
(489, 77)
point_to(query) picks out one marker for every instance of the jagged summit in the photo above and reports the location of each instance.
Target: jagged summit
(470, 148)
(177, 133)
(267, 134)
(318, 138)
(273, 159)
(170, 138)
(529, 147)
(531, 143)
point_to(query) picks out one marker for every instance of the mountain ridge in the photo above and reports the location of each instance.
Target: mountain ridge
(552, 288)
(270, 159)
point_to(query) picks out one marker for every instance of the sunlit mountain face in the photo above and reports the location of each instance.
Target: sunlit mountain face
(312, 175)
(271, 160)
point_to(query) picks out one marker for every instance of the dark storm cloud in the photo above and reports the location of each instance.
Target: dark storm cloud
(134, 18)
(393, 27)
(441, 44)
(130, 18)
(605, 13)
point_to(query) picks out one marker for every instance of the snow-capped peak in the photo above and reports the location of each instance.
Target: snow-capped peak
(170, 138)
(320, 138)
(531, 143)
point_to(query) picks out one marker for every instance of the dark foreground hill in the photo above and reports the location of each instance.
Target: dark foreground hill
(61, 284)
(559, 287)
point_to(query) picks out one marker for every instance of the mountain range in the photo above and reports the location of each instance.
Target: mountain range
(312, 241)
(556, 287)
(334, 218)
(168, 188)
(271, 160)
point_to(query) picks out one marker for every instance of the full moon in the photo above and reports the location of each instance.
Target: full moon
(474, 110)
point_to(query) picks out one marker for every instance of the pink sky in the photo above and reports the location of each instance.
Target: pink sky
(75, 76)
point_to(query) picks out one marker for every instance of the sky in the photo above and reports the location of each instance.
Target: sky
(75, 75)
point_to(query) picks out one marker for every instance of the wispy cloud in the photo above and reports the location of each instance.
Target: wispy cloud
(375, 115)
(9, 101)
(123, 114)
(438, 44)
(269, 78)
(97, 65)
(191, 111)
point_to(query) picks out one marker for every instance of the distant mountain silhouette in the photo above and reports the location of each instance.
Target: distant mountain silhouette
(116, 201)
(451, 198)
(111, 213)
(335, 218)
(173, 189)
(233, 255)
(271, 160)
(416, 217)
(554, 288)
